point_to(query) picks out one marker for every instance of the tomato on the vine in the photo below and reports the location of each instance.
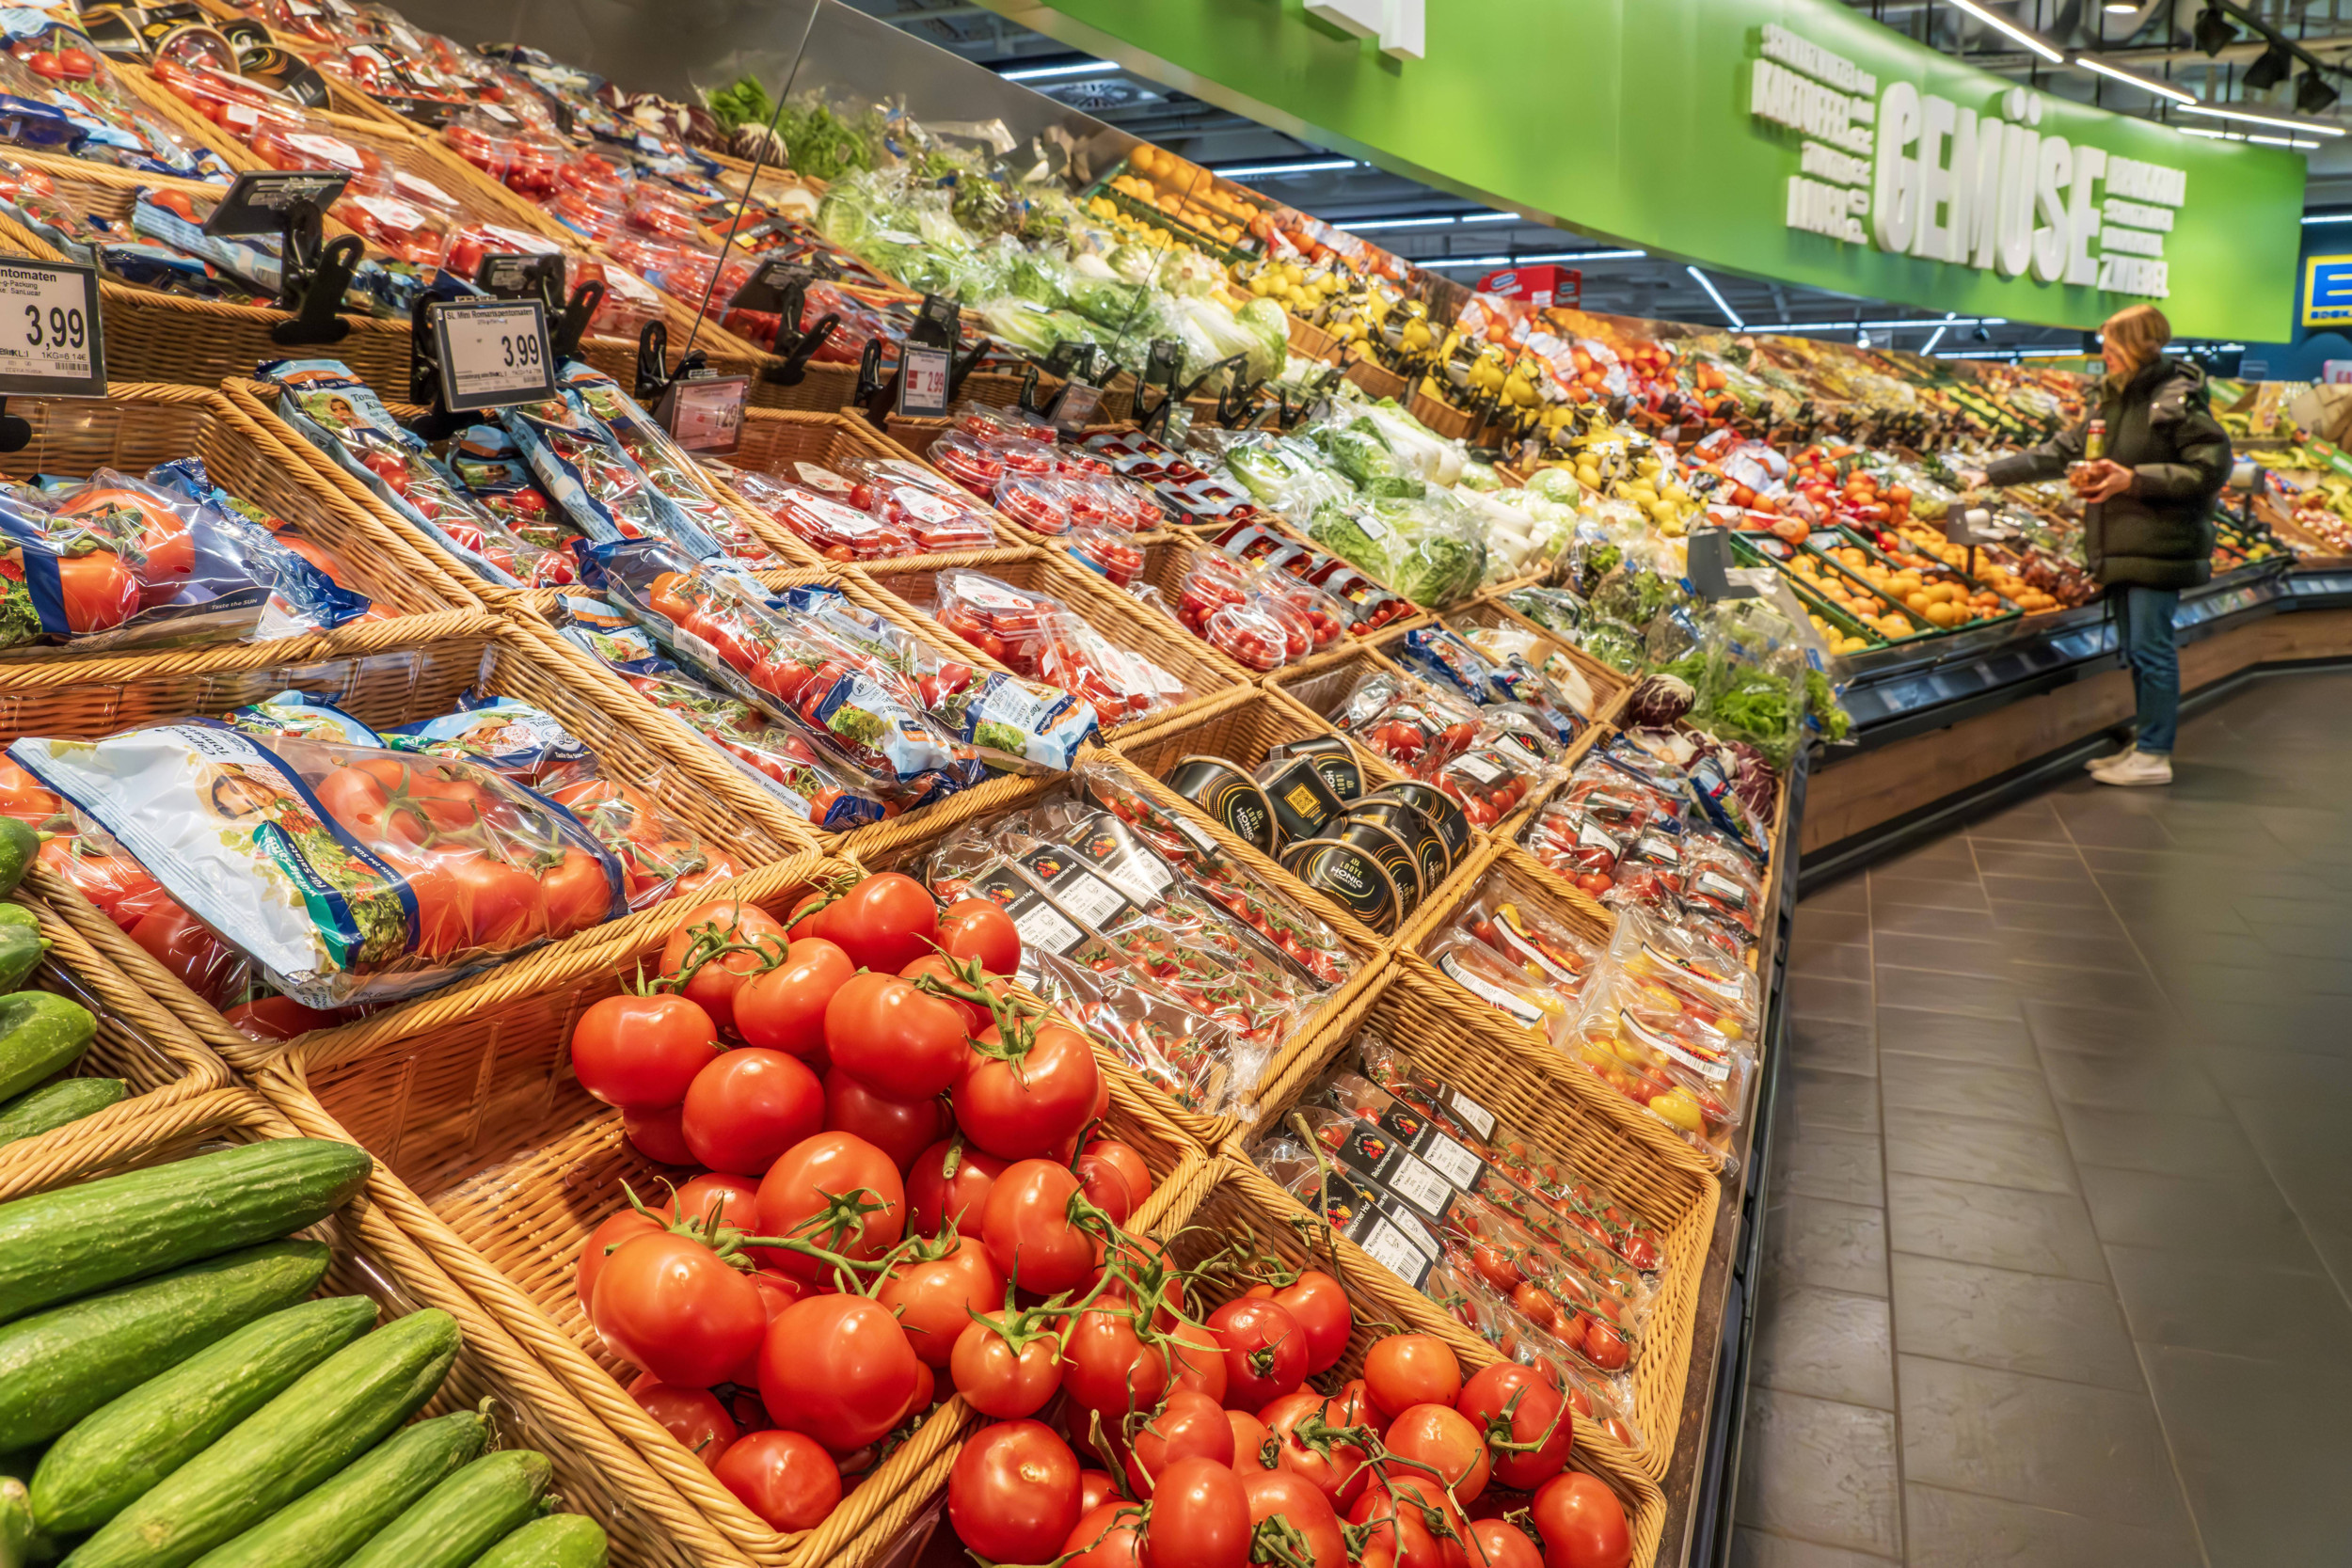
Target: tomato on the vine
(1030, 1232)
(1582, 1523)
(787, 1478)
(708, 935)
(1265, 1354)
(839, 1369)
(1519, 1405)
(1399, 1508)
(1107, 1369)
(1499, 1543)
(1023, 1103)
(1199, 1518)
(1438, 1440)
(641, 1050)
(674, 1308)
(935, 1300)
(1196, 1361)
(1320, 1303)
(1114, 1178)
(784, 1008)
(777, 1293)
(885, 923)
(1012, 1496)
(898, 1041)
(606, 1237)
(901, 1131)
(1095, 1488)
(693, 1415)
(747, 1107)
(1187, 1425)
(1407, 1370)
(809, 1194)
(732, 1200)
(1108, 1536)
(979, 928)
(1314, 1540)
(998, 1380)
(1317, 1455)
(950, 1183)
(1252, 1438)
(656, 1135)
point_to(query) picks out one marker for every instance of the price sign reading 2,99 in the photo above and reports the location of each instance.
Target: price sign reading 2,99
(49, 342)
(493, 353)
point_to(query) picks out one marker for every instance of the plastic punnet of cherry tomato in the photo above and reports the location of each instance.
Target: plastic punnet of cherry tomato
(1206, 1416)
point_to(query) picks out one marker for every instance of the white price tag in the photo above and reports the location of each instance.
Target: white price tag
(493, 353)
(49, 331)
(1475, 1116)
(1042, 929)
(923, 383)
(1418, 1186)
(1455, 1163)
(1076, 405)
(1391, 1250)
(1090, 898)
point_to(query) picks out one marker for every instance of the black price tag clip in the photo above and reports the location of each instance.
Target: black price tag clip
(782, 286)
(313, 271)
(541, 278)
(653, 353)
(1708, 566)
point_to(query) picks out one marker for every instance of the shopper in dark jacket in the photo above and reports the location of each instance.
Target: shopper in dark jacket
(2148, 527)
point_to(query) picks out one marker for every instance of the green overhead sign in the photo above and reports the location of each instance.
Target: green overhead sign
(1791, 140)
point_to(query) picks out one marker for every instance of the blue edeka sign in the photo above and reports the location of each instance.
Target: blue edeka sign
(2328, 291)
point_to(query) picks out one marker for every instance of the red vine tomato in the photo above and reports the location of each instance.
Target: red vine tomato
(641, 1052)
(1013, 1493)
(839, 1369)
(674, 1308)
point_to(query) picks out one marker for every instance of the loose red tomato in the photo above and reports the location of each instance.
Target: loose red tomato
(725, 941)
(641, 1050)
(900, 1131)
(1265, 1354)
(1438, 1440)
(656, 1135)
(935, 1300)
(1407, 1370)
(1313, 1538)
(1012, 1496)
(1253, 1442)
(1320, 1303)
(1516, 1404)
(1108, 1536)
(885, 923)
(786, 1477)
(808, 1192)
(784, 1008)
(998, 1380)
(601, 1244)
(1498, 1544)
(748, 1106)
(1199, 1517)
(1107, 1368)
(1313, 1445)
(1029, 1230)
(671, 1306)
(839, 1369)
(1582, 1523)
(950, 1185)
(979, 928)
(693, 1415)
(1114, 1178)
(1028, 1103)
(897, 1040)
(1186, 1425)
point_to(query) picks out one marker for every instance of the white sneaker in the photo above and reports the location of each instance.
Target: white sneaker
(2111, 759)
(2135, 768)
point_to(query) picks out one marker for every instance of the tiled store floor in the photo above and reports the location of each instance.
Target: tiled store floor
(2060, 1247)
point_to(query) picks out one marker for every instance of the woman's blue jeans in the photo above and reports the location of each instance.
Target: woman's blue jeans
(2144, 622)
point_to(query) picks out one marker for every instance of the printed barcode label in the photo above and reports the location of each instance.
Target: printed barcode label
(1390, 1249)
(1487, 991)
(1594, 837)
(1478, 768)
(1475, 1116)
(1090, 898)
(1042, 926)
(1455, 1163)
(1418, 1186)
(1718, 886)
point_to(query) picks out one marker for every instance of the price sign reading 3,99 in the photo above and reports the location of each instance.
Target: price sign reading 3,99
(493, 353)
(49, 331)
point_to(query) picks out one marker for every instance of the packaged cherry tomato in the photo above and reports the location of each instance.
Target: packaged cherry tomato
(1039, 637)
(1409, 723)
(977, 467)
(1489, 783)
(665, 464)
(1721, 885)
(774, 751)
(1037, 503)
(585, 469)
(336, 412)
(347, 873)
(488, 462)
(1530, 969)
(1607, 1400)
(827, 523)
(51, 67)
(1669, 1022)
(1106, 552)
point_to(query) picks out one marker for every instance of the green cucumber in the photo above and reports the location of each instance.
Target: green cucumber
(57, 1245)
(558, 1541)
(337, 1517)
(16, 1524)
(464, 1516)
(56, 1367)
(51, 1106)
(40, 1034)
(20, 914)
(114, 1454)
(335, 1413)
(20, 953)
(20, 845)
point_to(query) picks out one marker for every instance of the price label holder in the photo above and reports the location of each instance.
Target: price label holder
(1708, 566)
(705, 414)
(1074, 406)
(938, 324)
(777, 278)
(313, 272)
(52, 342)
(923, 377)
(492, 353)
(511, 276)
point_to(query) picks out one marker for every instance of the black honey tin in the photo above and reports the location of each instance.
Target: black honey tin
(1351, 877)
(1333, 758)
(1436, 804)
(1228, 794)
(1304, 805)
(1394, 855)
(1421, 835)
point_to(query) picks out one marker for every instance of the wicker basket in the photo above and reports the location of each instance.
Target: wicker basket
(632, 742)
(155, 336)
(1311, 342)
(1324, 688)
(1609, 685)
(1242, 729)
(1238, 1201)
(500, 1165)
(914, 584)
(917, 435)
(1443, 417)
(1376, 382)
(1675, 1190)
(596, 1474)
(160, 1061)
